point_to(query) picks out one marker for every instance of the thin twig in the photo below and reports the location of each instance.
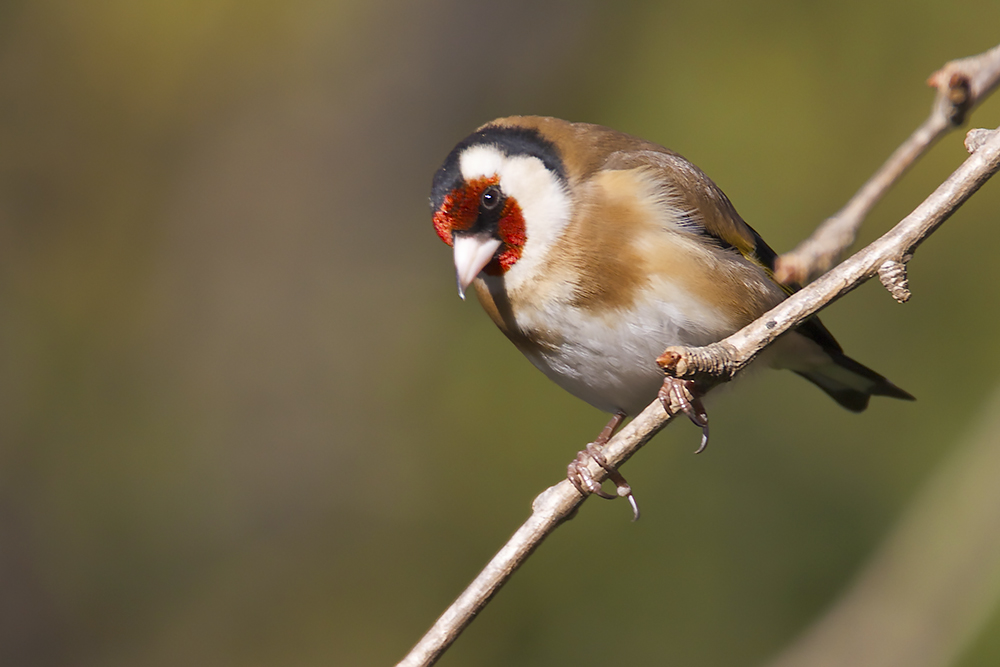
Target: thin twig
(557, 503)
(961, 86)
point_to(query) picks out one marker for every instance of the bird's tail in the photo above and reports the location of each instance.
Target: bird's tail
(851, 384)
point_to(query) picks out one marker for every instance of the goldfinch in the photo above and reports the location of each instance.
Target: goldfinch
(593, 250)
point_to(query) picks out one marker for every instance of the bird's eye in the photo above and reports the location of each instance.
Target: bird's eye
(491, 198)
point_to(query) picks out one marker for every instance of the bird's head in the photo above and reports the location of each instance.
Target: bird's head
(499, 199)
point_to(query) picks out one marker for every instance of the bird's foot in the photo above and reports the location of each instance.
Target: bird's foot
(578, 473)
(678, 395)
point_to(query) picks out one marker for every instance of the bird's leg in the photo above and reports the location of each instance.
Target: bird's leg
(683, 395)
(580, 476)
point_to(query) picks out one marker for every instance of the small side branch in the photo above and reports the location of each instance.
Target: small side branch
(961, 85)
(893, 277)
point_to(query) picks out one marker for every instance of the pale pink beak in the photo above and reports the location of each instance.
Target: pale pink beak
(472, 254)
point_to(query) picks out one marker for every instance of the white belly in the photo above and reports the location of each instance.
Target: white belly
(609, 359)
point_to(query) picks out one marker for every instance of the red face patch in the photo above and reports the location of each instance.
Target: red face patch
(460, 210)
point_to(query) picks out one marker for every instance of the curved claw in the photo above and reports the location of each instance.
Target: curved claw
(681, 395)
(704, 440)
(622, 487)
(635, 506)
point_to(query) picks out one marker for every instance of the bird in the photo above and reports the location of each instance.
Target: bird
(593, 250)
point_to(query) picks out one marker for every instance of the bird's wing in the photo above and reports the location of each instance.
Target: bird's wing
(712, 215)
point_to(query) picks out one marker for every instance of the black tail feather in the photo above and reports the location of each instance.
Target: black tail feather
(851, 384)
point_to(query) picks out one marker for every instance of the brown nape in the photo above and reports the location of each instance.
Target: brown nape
(584, 148)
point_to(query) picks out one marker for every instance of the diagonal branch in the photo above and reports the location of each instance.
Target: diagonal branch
(721, 360)
(961, 86)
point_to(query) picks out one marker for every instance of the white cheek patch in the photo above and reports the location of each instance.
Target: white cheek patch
(544, 201)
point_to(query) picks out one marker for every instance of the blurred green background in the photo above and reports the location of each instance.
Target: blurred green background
(246, 420)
